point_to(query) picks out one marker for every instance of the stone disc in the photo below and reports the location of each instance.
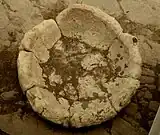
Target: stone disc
(79, 70)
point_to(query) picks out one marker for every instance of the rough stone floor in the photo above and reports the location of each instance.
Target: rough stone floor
(137, 17)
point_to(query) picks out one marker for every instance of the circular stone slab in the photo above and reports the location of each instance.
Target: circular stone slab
(80, 70)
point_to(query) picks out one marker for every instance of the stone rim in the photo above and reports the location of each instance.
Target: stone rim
(125, 38)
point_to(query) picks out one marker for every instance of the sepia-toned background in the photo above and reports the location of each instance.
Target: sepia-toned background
(137, 17)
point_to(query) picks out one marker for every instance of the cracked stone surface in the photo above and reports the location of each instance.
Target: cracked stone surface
(16, 115)
(72, 72)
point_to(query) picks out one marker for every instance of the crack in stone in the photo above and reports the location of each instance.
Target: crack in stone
(108, 95)
(79, 2)
(26, 50)
(121, 7)
(146, 65)
(150, 46)
(32, 51)
(87, 46)
(8, 6)
(101, 98)
(43, 109)
(127, 76)
(73, 79)
(35, 85)
(59, 28)
(70, 116)
(3, 132)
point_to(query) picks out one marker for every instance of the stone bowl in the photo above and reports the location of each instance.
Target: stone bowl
(79, 70)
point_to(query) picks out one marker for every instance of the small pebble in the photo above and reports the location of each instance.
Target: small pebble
(8, 95)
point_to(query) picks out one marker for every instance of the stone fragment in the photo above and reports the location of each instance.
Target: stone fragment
(41, 38)
(92, 60)
(109, 7)
(88, 88)
(148, 72)
(95, 112)
(47, 105)
(8, 95)
(22, 103)
(86, 14)
(131, 120)
(29, 71)
(134, 61)
(150, 86)
(147, 79)
(55, 79)
(121, 93)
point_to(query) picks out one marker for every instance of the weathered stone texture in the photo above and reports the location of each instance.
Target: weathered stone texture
(26, 14)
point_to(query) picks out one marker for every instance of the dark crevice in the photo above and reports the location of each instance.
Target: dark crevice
(108, 95)
(3, 133)
(120, 6)
(8, 6)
